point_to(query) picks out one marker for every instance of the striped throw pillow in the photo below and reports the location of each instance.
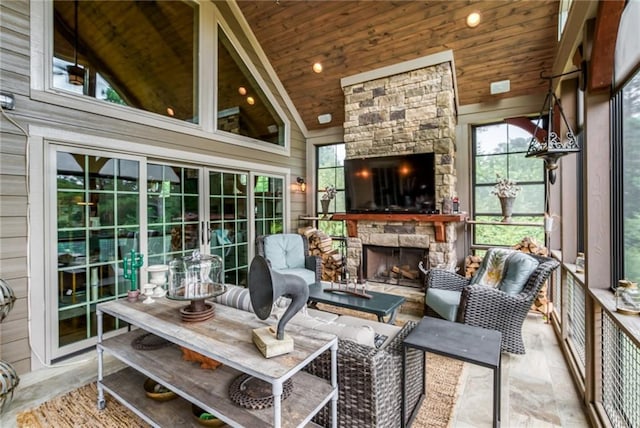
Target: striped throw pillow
(236, 297)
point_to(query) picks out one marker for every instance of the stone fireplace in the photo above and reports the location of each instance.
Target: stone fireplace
(396, 266)
(405, 113)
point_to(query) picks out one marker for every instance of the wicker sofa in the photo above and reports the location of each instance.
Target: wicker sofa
(370, 383)
(369, 371)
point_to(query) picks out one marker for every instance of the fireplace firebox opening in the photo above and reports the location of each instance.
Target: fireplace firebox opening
(397, 266)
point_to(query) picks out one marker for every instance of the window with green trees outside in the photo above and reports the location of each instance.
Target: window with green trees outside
(499, 151)
(330, 172)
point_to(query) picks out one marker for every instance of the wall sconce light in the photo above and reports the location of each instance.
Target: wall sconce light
(546, 144)
(302, 185)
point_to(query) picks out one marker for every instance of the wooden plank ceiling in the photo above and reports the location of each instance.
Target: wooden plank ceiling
(515, 40)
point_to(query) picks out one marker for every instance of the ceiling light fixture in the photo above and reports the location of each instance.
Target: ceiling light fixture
(76, 73)
(324, 118)
(473, 19)
(317, 67)
(251, 101)
(242, 90)
(546, 144)
(170, 111)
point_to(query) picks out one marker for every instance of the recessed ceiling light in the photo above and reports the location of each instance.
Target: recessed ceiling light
(317, 67)
(473, 19)
(242, 90)
(251, 101)
(170, 111)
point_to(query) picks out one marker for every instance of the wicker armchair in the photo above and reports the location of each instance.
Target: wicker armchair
(490, 307)
(370, 383)
(288, 253)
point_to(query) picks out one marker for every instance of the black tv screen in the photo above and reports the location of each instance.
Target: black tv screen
(403, 183)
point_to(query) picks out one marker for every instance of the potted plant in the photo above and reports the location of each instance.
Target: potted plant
(329, 193)
(506, 190)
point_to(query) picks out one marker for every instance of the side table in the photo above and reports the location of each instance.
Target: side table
(467, 343)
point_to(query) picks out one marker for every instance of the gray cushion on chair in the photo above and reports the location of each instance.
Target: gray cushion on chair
(444, 302)
(306, 274)
(519, 267)
(285, 251)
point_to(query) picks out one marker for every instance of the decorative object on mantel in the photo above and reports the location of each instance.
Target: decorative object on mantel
(9, 379)
(627, 297)
(253, 393)
(348, 288)
(196, 278)
(506, 190)
(329, 193)
(265, 286)
(547, 144)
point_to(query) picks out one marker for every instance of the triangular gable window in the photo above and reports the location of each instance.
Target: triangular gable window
(243, 108)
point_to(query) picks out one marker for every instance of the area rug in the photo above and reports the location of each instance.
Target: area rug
(78, 407)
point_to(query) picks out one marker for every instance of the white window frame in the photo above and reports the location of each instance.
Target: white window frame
(209, 16)
(42, 201)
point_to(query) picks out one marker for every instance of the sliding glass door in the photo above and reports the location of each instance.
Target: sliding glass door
(98, 222)
(228, 235)
(109, 206)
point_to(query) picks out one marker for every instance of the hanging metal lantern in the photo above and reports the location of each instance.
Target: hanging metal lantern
(7, 299)
(547, 144)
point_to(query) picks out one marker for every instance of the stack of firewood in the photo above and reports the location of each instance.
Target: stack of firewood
(321, 245)
(471, 265)
(530, 246)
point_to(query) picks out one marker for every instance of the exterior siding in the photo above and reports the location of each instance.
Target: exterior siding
(15, 66)
(14, 77)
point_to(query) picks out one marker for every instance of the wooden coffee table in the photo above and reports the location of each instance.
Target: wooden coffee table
(380, 304)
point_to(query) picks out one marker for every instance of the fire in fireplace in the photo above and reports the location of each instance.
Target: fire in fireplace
(398, 266)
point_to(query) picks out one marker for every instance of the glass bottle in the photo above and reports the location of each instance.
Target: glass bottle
(580, 262)
(627, 297)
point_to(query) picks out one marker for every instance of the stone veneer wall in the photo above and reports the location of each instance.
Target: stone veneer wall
(412, 112)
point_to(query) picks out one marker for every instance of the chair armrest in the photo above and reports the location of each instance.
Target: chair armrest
(314, 263)
(488, 303)
(445, 280)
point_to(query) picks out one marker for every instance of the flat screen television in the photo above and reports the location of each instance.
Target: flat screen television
(388, 184)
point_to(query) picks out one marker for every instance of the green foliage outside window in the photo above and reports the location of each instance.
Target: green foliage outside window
(631, 179)
(331, 173)
(499, 149)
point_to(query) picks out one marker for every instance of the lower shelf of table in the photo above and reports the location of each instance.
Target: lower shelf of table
(206, 388)
(126, 387)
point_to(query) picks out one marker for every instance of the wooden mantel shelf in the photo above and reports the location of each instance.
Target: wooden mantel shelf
(438, 220)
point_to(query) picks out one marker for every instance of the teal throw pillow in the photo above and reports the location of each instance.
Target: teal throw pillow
(518, 268)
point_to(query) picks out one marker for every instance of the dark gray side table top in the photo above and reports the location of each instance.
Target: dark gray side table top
(380, 303)
(475, 345)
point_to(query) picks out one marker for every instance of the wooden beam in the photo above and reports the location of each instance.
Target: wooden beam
(604, 45)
